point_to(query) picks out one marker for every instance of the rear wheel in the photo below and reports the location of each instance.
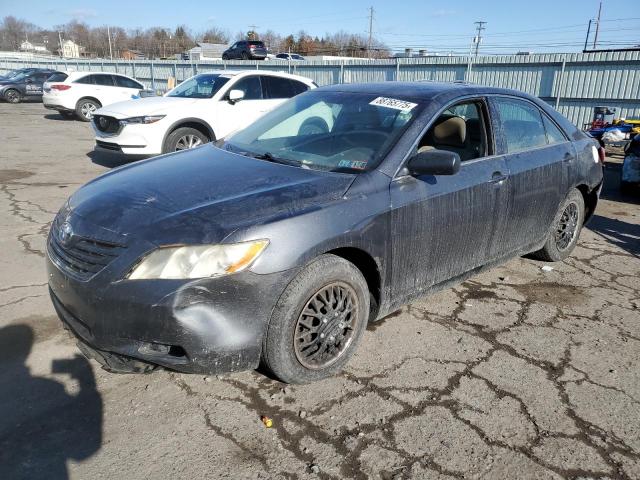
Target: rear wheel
(564, 233)
(85, 108)
(12, 96)
(225, 56)
(183, 139)
(318, 321)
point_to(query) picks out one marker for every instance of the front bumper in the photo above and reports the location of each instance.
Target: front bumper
(631, 170)
(207, 326)
(134, 139)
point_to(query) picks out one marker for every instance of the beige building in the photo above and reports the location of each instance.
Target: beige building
(70, 49)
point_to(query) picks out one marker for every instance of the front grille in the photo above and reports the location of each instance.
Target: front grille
(81, 257)
(106, 124)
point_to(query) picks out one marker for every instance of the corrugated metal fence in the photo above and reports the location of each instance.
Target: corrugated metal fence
(573, 83)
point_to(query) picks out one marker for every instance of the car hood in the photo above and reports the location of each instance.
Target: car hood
(202, 195)
(7, 81)
(146, 106)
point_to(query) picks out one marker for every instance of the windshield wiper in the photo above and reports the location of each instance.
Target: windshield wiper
(270, 158)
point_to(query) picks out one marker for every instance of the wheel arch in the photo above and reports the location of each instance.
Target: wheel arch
(590, 196)
(196, 123)
(88, 97)
(369, 268)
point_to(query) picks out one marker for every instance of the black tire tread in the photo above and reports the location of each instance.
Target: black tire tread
(277, 353)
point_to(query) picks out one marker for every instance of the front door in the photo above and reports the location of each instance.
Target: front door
(443, 226)
(233, 116)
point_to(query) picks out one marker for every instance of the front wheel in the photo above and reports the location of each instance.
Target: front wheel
(183, 139)
(564, 233)
(12, 96)
(318, 321)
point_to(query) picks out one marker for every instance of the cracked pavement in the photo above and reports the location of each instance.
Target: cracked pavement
(516, 373)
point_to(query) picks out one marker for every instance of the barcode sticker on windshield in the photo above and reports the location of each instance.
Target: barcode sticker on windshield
(394, 103)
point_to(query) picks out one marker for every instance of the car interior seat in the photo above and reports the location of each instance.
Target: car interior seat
(448, 133)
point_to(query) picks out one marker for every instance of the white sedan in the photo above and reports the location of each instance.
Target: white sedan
(82, 93)
(203, 108)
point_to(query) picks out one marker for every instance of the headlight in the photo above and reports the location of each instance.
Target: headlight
(144, 119)
(198, 261)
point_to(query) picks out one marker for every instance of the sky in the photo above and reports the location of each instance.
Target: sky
(512, 25)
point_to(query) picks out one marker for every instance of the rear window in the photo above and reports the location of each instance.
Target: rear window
(256, 44)
(58, 77)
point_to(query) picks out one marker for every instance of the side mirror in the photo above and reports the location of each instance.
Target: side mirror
(28, 80)
(434, 162)
(235, 96)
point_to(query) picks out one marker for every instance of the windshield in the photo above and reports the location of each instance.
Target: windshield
(204, 85)
(335, 131)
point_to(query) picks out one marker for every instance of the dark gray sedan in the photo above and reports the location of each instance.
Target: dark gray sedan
(279, 244)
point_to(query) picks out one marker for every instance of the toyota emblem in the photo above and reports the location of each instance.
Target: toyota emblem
(65, 233)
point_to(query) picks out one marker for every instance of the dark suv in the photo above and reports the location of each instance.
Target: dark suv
(246, 50)
(26, 84)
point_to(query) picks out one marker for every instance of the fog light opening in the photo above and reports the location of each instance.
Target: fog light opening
(158, 350)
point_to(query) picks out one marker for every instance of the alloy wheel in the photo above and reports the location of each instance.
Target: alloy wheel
(87, 109)
(12, 96)
(567, 226)
(326, 326)
(187, 142)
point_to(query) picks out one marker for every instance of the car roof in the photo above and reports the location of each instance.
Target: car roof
(273, 73)
(421, 90)
(72, 75)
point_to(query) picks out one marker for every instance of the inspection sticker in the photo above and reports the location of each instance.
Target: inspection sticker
(394, 103)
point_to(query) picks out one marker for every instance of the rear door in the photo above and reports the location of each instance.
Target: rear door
(104, 88)
(445, 225)
(538, 157)
(275, 90)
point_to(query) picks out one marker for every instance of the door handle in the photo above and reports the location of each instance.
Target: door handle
(498, 178)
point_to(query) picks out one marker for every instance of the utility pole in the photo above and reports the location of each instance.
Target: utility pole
(370, 32)
(586, 40)
(595, 39)
(479, 28)
(109, 35)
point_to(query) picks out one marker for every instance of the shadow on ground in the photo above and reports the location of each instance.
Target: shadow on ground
(42, 426)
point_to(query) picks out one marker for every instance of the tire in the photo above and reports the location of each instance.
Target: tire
(283, 352)
(114, 363)
(313, 126)
(184, 138)
(245, 56)
(565, 230)
(13, 96)
(225, 56)
(85, 108)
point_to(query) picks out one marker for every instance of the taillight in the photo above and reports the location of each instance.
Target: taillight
(602, 153)
(60, 87)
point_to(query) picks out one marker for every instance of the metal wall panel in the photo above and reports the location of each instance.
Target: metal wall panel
(587, 80)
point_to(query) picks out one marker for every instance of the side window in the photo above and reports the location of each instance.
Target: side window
(125, 82)
(554, 134)
(298, 87)
(276, 87)
(250, 86)
(461, 129)
(104, 80)
(86, 80)
(521, 124)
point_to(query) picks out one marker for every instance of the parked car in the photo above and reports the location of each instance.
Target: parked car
(201, 109)
(246, 50)
(277, 246)
(630, 174)
(13, 73)
(289, 56)
(79, 94)
(24, 85)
